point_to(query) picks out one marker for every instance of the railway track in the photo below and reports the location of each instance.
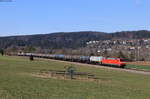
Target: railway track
(131, 70)
(141, 70)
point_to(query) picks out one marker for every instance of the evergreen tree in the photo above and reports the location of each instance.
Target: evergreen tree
(31, 58)
(2, 52)
(106, 53)
(121, 55)
(132, 57)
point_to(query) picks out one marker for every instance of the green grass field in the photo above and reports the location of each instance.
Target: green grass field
(138, 67)
(17, 82)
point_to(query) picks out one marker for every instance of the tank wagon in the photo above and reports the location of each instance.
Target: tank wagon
(96, 59)
(100, 60)
(85, 59)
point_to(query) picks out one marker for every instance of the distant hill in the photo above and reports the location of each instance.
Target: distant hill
(131, 34)
(69, 39)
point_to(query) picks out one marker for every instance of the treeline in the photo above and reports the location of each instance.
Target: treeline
(55, 40)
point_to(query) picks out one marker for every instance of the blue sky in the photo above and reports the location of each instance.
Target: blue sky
(46, 16)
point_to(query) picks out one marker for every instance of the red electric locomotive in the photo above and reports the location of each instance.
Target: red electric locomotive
(114, 62)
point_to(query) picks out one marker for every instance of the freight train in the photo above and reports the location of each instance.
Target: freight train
(100, 60)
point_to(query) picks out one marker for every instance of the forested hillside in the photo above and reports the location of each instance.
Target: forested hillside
(67, 40)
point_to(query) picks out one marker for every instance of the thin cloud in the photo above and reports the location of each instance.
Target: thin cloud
(138, 2)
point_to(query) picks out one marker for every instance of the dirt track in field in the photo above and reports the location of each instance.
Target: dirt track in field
(104, 67)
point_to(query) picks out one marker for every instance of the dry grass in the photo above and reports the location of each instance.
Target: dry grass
(77, 78)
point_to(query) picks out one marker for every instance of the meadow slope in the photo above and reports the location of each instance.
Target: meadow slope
(17, 82)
